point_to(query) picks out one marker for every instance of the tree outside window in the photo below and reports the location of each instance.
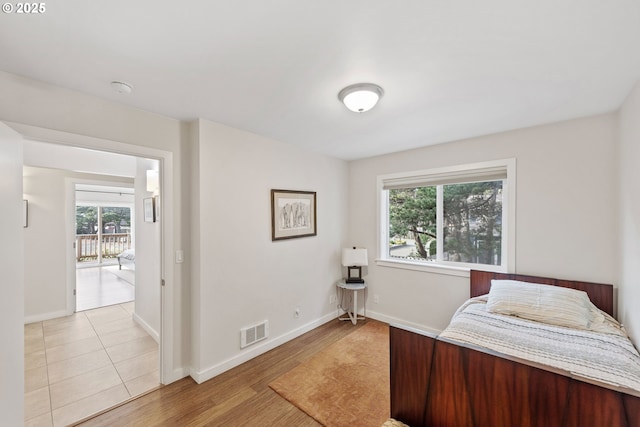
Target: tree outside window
(470, 230)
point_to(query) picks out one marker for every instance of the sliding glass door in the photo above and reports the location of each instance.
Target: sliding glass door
(102, 232)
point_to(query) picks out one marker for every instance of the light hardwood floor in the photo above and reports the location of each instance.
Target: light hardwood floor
(238, 397)
(78, 365)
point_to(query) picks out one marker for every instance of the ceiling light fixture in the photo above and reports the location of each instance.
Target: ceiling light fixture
(122, 87)
(360, 97)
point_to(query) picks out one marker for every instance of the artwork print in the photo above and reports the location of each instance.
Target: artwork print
(293, 214)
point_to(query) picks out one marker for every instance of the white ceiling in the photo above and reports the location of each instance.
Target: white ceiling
(451, 69)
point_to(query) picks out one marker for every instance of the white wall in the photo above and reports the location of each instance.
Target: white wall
(147, 306)
(243, 277)
(564, 216)
(45, 240)
(11, 311)
(629, 218)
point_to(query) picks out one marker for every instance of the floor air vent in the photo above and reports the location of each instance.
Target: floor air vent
(253, 334)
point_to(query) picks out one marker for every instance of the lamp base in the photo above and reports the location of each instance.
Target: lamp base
(353, 280)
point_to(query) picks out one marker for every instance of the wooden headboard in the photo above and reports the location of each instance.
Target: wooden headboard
(601, 295)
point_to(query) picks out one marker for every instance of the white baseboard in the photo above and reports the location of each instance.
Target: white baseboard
(46, 316)
(394, 320)
(177, 374)
(144, 325)
(257, 350)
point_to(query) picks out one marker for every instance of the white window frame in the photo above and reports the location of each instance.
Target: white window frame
(451, 175)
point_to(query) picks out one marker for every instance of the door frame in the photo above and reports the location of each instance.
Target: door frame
(72, 265)
(168, 292)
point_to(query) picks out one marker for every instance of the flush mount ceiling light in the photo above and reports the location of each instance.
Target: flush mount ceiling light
(360, 97)
(121, 87)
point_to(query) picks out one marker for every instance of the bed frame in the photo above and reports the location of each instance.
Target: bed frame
(440, 383)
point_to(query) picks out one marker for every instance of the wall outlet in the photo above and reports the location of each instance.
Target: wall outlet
(333, 299)
(376, 299)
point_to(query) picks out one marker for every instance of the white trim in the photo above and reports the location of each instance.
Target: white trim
(414, 330)
(70, 221)
(439, 223)
(481, 169)
(45, 316)
(144, 325)
(493, 170)
(421, 266)
(176, 374)
(70, 194)
(403, 324)
(509, 198)
(208, 373)
(167, 339)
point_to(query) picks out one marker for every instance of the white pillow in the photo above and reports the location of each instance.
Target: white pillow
(554, 305)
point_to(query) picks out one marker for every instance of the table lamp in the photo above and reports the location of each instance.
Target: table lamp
(354, 259)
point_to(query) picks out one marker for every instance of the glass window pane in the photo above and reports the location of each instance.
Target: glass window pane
(86, 233)
(412, 223)
(472, 223)
(116, 229)
(116, 220)
(86, 220)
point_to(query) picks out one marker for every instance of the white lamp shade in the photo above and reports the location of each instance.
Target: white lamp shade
(153, 181)
(354, 257)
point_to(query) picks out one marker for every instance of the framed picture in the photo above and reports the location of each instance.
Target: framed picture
(149, 205)
(293, 214)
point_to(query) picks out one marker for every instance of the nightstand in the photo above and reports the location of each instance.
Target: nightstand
(354, 287)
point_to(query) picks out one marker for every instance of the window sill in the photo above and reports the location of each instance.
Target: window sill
(431, 268)
(446, 269)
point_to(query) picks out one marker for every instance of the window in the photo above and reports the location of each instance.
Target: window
(453, 218)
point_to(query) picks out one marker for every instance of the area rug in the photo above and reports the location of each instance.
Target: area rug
(347, 384)
(125, 274)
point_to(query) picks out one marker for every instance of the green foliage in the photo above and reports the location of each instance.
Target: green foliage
(114, 219)
(412, 213)
(86, 219)
(472, 220)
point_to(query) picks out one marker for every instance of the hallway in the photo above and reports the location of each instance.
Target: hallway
(78, 365)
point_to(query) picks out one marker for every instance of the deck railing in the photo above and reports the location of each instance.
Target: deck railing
(88, 246)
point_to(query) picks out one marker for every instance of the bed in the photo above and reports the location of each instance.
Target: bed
(127, 256)
(445, 381)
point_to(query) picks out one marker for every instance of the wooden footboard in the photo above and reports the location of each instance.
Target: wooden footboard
(438, 384)
(410, 357)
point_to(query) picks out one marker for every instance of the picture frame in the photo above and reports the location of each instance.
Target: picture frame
(293, 214)
(149, 205)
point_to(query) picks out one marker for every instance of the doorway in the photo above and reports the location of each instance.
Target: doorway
(105, 245)
(52, 333)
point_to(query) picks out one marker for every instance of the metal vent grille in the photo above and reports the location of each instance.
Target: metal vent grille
(253, 334)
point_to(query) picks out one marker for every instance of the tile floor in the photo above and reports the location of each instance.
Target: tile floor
(81, 364)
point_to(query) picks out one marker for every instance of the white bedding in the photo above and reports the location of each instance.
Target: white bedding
(128, 254)
(604, 354)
